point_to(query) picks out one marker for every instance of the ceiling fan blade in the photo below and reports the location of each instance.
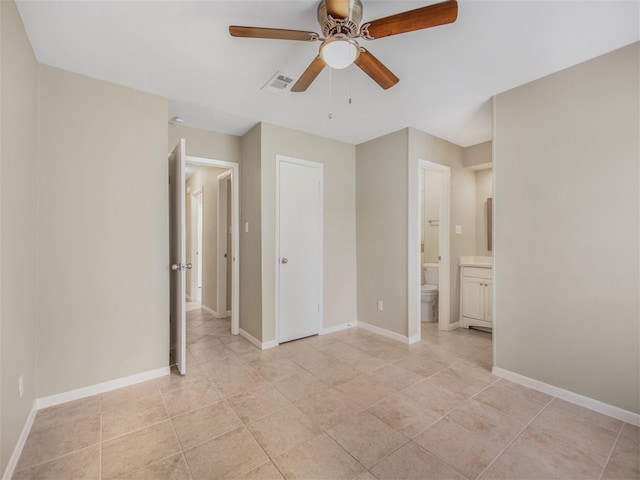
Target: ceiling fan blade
(272, 33)
(376, 69)
(337, 8)
(425, 17)
(309, 75)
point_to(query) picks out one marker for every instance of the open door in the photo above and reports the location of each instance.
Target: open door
(177, 256)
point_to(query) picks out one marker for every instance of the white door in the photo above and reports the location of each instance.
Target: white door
(177, 254)
(300, 249)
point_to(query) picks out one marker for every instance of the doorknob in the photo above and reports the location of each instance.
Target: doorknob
(189, 266)
(284, 260)
(176, 266)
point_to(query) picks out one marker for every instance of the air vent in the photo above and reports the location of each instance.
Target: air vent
(279, 83)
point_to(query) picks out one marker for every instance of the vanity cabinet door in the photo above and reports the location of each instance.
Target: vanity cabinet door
(473, 297)
(488, 300)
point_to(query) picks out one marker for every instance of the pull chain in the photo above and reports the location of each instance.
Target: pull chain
(330, 114)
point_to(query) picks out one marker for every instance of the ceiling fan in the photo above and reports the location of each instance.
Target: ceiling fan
(340, 24)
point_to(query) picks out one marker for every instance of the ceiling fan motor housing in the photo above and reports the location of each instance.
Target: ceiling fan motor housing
(332, 24)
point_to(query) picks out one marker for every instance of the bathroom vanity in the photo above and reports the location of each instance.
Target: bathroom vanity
(476, 292)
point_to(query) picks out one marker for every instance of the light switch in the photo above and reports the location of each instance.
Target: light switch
(380, 305)
(458, 229)
(246, 227)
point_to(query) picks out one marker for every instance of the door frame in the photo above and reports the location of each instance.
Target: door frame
(235, 226)
(414, 258)
(221, 232)
(197, 230)
(280, 159)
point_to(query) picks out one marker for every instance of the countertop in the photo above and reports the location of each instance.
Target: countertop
(476, 261)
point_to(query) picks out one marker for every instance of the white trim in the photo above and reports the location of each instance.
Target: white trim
(103, 387)
(256, 342)
(22, 440)
(221, 238)
(337, 328)
(235, 236)
(415, 173)
(209, 310)
(320, 166)
(414, 339)
(576, 398)
(268, 345)
(386, 333)
(494, 328)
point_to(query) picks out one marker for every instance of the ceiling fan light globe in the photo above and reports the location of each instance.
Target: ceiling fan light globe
(339, 53)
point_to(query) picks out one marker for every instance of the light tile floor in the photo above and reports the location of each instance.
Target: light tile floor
(350, 405)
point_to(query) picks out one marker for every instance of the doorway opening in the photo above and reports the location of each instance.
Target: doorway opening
(193, 212)
(429, 248)
(211, 243)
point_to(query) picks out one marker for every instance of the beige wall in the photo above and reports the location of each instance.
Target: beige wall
(205, 143)
(250, 242)
(103, 231)
(478, 155)
(463, 200)
(339, 242)
(484, 190)
(381, 218)
(567, 234)
(206, 180)
(18, 226)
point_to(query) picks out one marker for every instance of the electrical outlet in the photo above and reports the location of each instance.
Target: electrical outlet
(21, 385)
(380, 306)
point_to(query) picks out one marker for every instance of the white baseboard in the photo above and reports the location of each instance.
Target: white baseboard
(209, 310)
(414, 339)
(256, 342)
(572, 397)
(337, 328)
(384, 332)
(15, 456)
(103, 387)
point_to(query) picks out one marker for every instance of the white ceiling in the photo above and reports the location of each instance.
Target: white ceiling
(448, 74)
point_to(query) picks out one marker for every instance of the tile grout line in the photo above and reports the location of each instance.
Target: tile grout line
(613, 447)
(514, 439)
(244, 425)
(173, 428)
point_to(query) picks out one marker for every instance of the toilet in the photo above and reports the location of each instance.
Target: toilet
(429, 293)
